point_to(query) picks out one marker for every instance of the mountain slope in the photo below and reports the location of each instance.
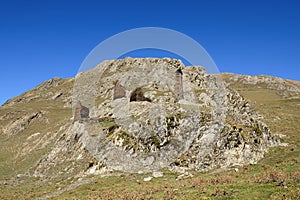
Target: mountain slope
(181, 118)
(40, 138)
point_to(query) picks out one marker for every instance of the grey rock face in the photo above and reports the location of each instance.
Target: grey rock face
(147, 114)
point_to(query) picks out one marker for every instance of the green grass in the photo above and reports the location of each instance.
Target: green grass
(12, 161)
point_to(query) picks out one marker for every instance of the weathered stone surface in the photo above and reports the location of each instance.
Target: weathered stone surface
(157, 174)
(147, 179)
(184, 175)
(57, 95)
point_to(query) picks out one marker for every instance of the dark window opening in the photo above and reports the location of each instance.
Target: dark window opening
(138, 95)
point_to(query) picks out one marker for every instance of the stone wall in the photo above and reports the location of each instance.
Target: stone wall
(81, 112)
(178, 86)
(119, 91)
(138, 95)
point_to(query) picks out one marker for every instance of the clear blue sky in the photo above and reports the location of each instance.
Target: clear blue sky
(44, 39)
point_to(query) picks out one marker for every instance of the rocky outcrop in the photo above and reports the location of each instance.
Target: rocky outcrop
(159, 114)
(243, 140)
(21, 123)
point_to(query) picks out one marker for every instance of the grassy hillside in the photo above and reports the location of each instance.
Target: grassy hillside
(32, 121)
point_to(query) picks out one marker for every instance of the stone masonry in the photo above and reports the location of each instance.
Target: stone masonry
(119, 91)
(81, 112)
(178, 86)
(138, 95)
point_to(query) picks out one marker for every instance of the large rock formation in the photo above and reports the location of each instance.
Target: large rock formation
(155, 113)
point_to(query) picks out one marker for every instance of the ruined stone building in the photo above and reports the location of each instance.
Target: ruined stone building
(178, 85)
(81, 112)
(138, 95)
(119, 91)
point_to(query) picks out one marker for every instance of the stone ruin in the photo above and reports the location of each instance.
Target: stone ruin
(81, 112)
(119, 91)
(138, 95)
(178, 85)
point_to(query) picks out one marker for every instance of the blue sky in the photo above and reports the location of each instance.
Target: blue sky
(44, 39)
